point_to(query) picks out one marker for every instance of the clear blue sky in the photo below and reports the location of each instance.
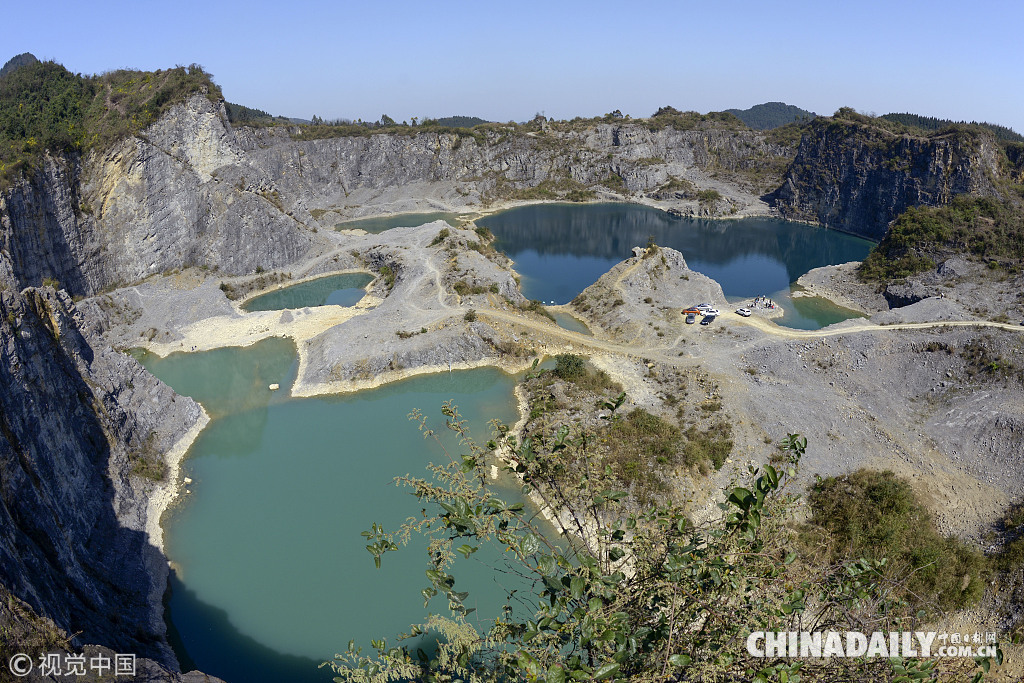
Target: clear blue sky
(507, 61)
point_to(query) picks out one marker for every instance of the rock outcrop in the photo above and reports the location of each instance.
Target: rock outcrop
(82, 430)
(857, 177)
(193, 191)
(150, 204)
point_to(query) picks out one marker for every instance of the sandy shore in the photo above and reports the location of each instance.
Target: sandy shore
(248, 328)
(164, 494)
(307, 390)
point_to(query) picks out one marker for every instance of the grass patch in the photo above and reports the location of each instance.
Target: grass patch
(535, 306)
(573, 368)
(875, 515)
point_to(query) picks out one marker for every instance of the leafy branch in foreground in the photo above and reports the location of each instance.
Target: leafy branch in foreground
(638, 597)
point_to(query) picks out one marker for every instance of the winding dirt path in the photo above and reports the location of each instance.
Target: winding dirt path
(579, 340)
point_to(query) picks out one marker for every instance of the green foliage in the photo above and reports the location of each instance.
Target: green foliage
(772, 115)
(470, 315)
(535, 306)
(670, 117)
(1010, 558)
(17, 61)
(242, 115)
(876, 515)
(389, 274)
(455, 121)
(44, 107)
(981, 227)
(640, 597)
(440, 237)
(928, 124)
(342, 128)
(569, 366)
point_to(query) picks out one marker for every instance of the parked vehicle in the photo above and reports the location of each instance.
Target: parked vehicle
(691, 318)
(691, 311)
(712, 312)
(745, 312)
(708, 319)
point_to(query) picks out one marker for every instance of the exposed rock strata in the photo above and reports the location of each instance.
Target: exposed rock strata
(77, 421)
(857, 177)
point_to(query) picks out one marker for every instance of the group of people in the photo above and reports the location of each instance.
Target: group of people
(763, 302)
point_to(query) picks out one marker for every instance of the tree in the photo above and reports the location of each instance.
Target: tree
(640, 597)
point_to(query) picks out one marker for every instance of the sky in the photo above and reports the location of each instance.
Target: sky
(510, 61)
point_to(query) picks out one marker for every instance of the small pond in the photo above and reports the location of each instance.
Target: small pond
(333, 290)
(401, 220)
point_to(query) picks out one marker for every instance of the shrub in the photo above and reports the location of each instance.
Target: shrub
(440, 237)
(569, 366)
(876, 515)
(647, 596)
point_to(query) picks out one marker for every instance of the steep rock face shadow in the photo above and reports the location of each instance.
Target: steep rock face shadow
(43, 232)
(203, 637)
(65, 494)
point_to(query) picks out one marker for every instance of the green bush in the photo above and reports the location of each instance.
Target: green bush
(979, 227)
(441, 237)
(569, 366)
(876, 515)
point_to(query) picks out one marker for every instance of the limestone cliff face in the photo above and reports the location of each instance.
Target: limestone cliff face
(858, 178)
(150, 204)
(386, 171)
(77, 420)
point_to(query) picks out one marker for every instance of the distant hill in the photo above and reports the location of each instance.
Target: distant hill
(24, 59)
(771, 115)
(930, 123)
(238, 113)
(459, 121)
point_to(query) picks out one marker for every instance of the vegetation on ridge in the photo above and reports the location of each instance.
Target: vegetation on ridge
(923, 236)
(929, 124)
(46, 108)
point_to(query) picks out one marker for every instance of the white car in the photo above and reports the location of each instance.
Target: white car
(745, 312)
(704, 308)
(712, 312)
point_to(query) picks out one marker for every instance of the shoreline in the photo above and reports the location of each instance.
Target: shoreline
(167, 492)
(301, 389)
(476, 213)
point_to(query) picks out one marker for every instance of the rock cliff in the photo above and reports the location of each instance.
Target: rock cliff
(82, 430)
(344, 177)
(856, 176)
(150, 204)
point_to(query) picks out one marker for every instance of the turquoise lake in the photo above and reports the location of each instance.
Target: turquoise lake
(271, 573)
(561, 249)
(332, 290)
